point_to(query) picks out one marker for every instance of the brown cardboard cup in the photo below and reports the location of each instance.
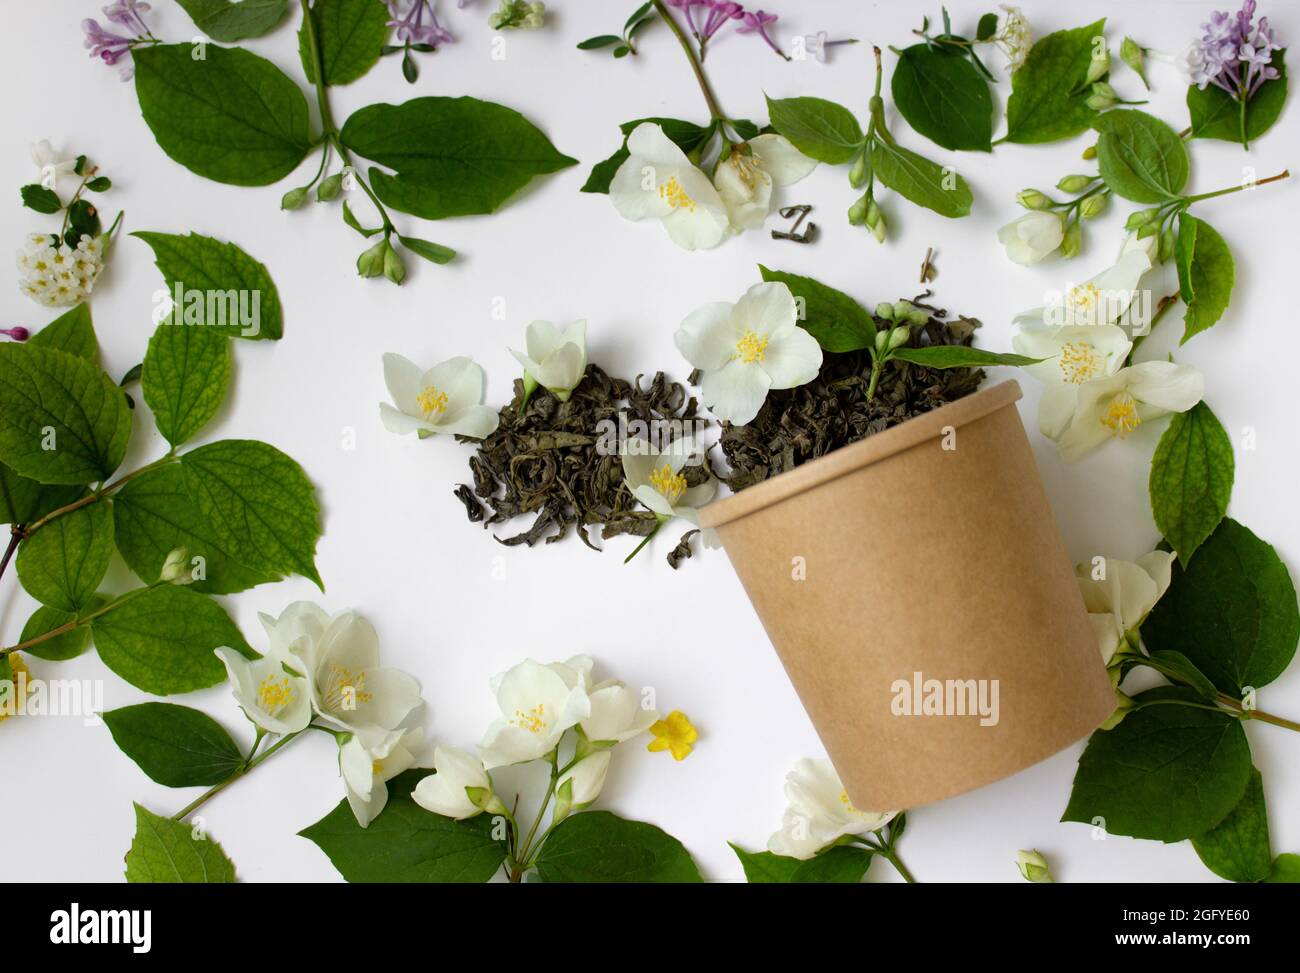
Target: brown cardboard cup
(926, 549)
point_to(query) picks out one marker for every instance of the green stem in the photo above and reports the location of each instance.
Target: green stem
(1255, 714)
(1284, 174)
(891, 856)
(877, 366)
(1165, 304)
(715, 110)
(77, 622)
(99, 494)
(644, 541)
(251, 763)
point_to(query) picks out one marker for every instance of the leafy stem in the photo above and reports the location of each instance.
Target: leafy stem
(885, 845)
(79, 621)
(1188, 200)
(710, 99)
(249, 764)
(96, 495)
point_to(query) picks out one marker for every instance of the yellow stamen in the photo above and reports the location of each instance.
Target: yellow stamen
(1121, 416)
(751, 348)
(675, 196)
(534, 721)
(1079, 362)
(432, 402)
(1084, 297)
(671, 485)
(274, 693)
(344, 689)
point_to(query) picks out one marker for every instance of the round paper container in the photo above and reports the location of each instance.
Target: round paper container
(925, 552)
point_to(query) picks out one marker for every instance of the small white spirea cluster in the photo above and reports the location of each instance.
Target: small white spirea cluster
(59, 275)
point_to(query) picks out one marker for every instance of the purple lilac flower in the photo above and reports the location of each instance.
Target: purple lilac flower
(112, 48)
(686, 7)
(757, 23)
(16, 334)
(1236, 54)
(412, 28)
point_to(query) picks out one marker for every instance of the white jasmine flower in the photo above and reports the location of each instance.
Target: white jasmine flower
(460, 788)
(55, 274)
(747, 348)
(1073, 355)
(367, 770)
(1119, 595)
(50, 164)
(557, 357)
(1032, 237)
(274, 699)
(1102, 300)
(448, 398)
(582, 783)
(658, 180)
(349, 689)
(616, 714)
(538, 703)
(1014, 39)
(745, 178)
(656, 479)
(299, 626)
(1113, 407)
(819, 812)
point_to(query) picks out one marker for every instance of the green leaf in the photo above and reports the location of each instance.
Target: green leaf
(162, 639)
(100, 184)
(1167, 772)
(1206, 274)
(1237, 848)
(1140, 157)
(837, 321)
(406, 843)
(350, 35)
(820, 129)
(37, 197)
(602, 40)
(916, 178)
(222, 287)
(452, 156)
(155, 514)
(959, 356)
(350, 219)
(231, 116)
(836, 864)
(685, 135)
(1181, 669)
(1216, 114)
(259, 504)
(174, 745)
(1286, 870)
(1191, 479)
(227, 21)
(1232, 611)
(186, 375)
(23, 500)
(597, 846)
(60, 648)
(987, 27)
(944, 97)
(169, 851)
(72, 332)
(433, 252)
(62, 420)
(63, 563)
(1048, 97)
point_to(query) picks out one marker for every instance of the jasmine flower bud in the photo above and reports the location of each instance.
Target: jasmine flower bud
(1141, 218)
(174, 569)
(875, 221)
(1033, 866)
(293, 198)
(1075, 184)
(1103, 96)
(858, 211)
(1090, 152)
(1133, 54)
(1072, 241)
(861, 169)
(885, 310)
(1093, 206)
(898, 336)
(371, 263)
(394, 268)
(330, 187)
(1033, 199)
(1098, 67)
(1166, 245)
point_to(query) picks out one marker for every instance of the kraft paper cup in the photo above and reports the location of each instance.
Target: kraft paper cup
(923, 556)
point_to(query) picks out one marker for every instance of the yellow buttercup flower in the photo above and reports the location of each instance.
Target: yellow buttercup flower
(8, 707)
(674, 733)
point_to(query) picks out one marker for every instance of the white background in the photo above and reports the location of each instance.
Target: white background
(396, 544)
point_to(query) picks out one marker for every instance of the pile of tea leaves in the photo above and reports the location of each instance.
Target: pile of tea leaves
(801, 424)
(550, 460)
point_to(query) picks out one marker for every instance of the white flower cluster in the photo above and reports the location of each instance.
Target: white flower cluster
(58, 275)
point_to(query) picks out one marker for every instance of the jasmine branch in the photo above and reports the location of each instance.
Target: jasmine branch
(249, 764)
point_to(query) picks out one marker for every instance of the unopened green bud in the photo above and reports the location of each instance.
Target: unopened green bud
(394, 267)
(1133, 54)
(1141, 218)
(1075, 184)
(885, 310)
(1103, 96)
(330, 187)
(876, 221)
(1090, 152)
(858, 211)
(175, 568)
(1033, 866)
(860, 171)
(882, 340)
(1148, 229)
(1072, 241)
(1098, 66)
(1093, 206)
(1033, 199)
(1166, 244)
(898, 337)
(293, 198)
(371, 263)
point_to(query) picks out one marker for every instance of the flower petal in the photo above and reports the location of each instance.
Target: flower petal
(402, 376)
(792, 358)
(707, 337)
(765, 309)
(736, 392)
(783, 162)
